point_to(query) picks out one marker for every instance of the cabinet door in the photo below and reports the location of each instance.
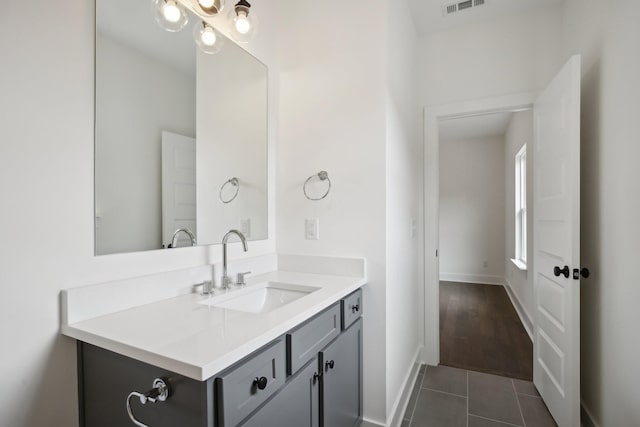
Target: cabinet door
(295, 405)
(341, 393)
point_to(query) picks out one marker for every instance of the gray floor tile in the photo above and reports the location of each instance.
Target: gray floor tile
(405, 423)
(525, 387)
(493, 397)
(435, 409)
(535, 412)
(483, 422)
(422, 368)
(445, 378)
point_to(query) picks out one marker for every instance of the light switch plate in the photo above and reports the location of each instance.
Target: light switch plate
(312, 229)
(245, 227)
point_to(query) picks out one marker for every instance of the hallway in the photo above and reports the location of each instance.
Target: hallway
(481, 331)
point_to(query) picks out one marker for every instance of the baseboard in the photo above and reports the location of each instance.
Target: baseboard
(586, 418)
(369, 423)
(482, 279)
(400, 405)
(526, 320)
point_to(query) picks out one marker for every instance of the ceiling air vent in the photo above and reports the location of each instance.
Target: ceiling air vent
(452, 8)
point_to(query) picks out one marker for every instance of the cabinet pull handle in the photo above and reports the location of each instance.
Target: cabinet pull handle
(355, 308)
(329, 364)
(261, 383)
(316, 377)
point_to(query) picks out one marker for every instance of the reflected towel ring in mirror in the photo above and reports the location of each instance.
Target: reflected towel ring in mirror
(322, 176)
(234, 182)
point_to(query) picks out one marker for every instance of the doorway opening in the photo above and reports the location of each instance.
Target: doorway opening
(483, 224)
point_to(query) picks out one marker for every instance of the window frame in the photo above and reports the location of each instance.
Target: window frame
(521, 208)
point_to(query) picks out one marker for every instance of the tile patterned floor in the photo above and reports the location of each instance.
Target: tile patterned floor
(451, 397)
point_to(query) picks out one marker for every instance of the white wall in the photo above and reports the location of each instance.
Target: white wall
(404, 235)
(607, 34)
(128, 164)
(472, 210)
(491, 58)
(46, 186)
(332, 117)
(519, 132)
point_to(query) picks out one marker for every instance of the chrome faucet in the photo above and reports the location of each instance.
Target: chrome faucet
(174, 239)
(226, 280)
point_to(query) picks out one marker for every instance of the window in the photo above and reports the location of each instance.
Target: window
(521, 208)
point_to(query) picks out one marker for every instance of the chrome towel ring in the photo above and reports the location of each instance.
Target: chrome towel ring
(235, 183)
(322, 176)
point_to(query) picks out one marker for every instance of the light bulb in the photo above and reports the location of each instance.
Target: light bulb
(206, 3)
(208, 36)
(242, 23)
(171, 11)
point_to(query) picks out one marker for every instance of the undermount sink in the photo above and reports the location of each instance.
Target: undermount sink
(260, 298)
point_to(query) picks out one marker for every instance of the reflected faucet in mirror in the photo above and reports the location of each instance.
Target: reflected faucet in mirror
(226, 280)
(176, 235)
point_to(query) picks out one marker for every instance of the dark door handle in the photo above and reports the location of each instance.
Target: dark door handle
(558, 271)
(585, 273)
(355, 308)
(261, 383)
(329, 365)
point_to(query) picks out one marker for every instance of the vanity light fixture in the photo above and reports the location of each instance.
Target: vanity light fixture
(207, 38)
(244, 23)
(169, 14)
(211, 7)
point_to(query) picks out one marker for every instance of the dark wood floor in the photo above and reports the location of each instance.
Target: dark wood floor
(481, 331)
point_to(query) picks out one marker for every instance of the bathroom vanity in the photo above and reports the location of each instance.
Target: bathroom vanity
(286, 350)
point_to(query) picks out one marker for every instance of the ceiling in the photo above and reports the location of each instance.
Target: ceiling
(472, 127)
(429, 18)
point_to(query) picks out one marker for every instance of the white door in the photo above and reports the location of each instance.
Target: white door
(178, 187)
(556, 218)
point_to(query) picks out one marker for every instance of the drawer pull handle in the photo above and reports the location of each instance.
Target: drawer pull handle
(329, 364)
(316, 377)
(355, 308)
(261, 383)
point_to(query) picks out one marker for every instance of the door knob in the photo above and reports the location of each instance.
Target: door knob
(329, 365)
(584, 272)
(564, 271)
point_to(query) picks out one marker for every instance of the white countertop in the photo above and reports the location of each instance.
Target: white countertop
(198, 340)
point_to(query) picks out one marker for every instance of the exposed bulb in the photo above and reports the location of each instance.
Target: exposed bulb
(243, 26)
(171, 11)
(208, 36)
(206, 3)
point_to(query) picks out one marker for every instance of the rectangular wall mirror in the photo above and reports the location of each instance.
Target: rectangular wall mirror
(180, 135)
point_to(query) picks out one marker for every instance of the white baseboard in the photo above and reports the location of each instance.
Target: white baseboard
(526, 320)
(586, 417)
(369, 423)
(400, 405)
(482, 279)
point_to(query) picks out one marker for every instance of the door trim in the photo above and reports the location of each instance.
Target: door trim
(432, 114)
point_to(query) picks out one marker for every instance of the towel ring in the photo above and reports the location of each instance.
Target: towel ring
(234, 182)
(323, 176)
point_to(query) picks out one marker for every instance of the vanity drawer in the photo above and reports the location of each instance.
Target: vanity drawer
(242, 389)
(351, 308)
(305, 341)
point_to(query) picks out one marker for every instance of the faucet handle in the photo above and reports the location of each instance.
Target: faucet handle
(240, 278)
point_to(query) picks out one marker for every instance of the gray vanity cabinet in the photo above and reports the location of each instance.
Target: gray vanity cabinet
(296, 405)
(309, 377)
(341, 394)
